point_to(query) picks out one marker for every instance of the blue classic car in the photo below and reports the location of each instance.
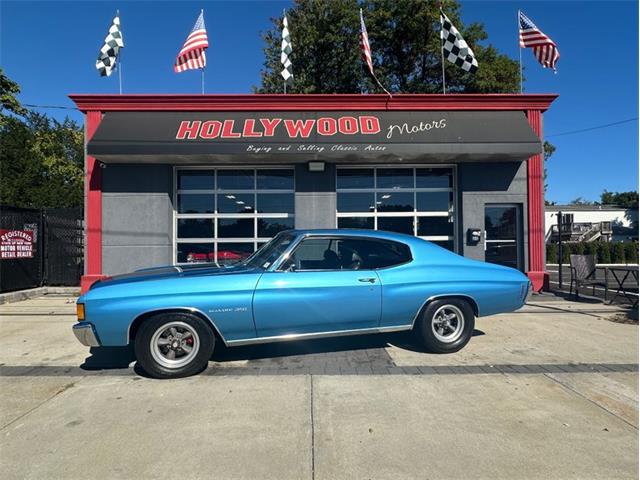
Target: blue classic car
(302, 284)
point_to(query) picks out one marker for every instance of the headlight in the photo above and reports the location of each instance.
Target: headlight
(80, 311)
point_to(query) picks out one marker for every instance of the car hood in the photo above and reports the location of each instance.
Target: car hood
(172, 271)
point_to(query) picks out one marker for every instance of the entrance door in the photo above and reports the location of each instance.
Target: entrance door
(503, 236)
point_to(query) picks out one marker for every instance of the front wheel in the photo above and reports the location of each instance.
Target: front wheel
(446, 325)
(173, 345)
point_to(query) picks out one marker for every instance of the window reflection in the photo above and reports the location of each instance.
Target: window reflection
(394, 202)
(235, 203)
(276, 179)
(195, 228)
(196, 180)
(395, 178)
(196, 203)
(235, 228)
(236, 180)
(355, 178)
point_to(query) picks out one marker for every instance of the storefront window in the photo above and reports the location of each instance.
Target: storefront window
(416, 201)
(225, 214)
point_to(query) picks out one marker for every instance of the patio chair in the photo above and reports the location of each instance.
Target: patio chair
(583, 274)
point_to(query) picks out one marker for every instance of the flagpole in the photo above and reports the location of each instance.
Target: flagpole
(284, 80)
(119, 57)
(202, 80)
(444, 85)
(520, 51)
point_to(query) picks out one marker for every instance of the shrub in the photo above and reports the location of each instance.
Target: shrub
(604, 252)
(617, 255)
(631, 252)
(579, 248)
(552, 253)
(591, 248)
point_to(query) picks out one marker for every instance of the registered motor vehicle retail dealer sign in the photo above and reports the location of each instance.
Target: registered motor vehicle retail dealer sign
(15, 244)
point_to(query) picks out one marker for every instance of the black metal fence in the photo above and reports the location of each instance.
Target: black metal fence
(40, 247)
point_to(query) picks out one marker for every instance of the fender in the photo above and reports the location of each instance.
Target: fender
(474, 304)
(192, 310)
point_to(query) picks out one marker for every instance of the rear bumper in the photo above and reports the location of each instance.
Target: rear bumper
(85, 334)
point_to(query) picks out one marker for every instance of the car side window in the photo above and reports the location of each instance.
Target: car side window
(384, 253)
(347, 253)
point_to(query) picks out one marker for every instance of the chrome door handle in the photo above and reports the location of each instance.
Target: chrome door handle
(367, 280)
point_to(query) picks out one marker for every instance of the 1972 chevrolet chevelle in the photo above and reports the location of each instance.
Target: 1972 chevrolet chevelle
(302, 284)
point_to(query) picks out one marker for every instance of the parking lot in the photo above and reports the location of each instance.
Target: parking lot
(550, 391)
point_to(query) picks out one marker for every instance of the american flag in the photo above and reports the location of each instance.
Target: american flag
(366, 51)
(544, 49)
(192, 55)
(364, 44)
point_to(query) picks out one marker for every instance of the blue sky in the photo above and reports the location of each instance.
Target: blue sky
(49, 48)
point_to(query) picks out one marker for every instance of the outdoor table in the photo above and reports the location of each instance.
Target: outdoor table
(621, 274)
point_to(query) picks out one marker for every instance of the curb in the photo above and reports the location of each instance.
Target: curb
(11, 297)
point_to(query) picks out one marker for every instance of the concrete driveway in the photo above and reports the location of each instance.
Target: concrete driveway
(550, 391)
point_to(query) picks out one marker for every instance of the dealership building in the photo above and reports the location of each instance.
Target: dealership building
(195, 178)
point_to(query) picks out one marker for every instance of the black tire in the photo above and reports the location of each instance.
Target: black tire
(157, 362)
(448, 336)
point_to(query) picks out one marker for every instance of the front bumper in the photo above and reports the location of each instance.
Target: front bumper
(85, 334)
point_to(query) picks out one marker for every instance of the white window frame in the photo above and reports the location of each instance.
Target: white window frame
(452, 213)
(255, 216)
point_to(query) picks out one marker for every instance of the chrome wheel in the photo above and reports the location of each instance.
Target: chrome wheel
(447, 323)
(174, 344)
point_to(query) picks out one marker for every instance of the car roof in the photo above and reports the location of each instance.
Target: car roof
(355, 232)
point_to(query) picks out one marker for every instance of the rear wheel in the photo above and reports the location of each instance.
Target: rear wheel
(446, 325)
(173, 345)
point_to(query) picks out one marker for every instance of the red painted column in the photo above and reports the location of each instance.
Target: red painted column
(535, 182)
(92, 209)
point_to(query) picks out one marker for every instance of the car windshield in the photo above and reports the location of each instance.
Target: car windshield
(269, 252)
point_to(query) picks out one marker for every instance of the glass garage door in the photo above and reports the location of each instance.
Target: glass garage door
(418, 201)
(224, 214)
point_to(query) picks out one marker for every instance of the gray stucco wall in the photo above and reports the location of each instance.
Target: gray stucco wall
(137, 209)
(480, 184)
(315, 197)
(137, 215)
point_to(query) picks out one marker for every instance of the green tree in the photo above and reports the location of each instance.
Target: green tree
(618, 253)
(631, 252)
(581, 201)
(41, 159)
(548, 149)
(604, 252)
(41, 162)
(591, 248)
(405, 43)
(620, 199)
(8, 98)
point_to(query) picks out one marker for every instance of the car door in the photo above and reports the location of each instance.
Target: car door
(321, 287)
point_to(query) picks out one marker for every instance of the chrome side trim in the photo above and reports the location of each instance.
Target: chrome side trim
(187, 309)
(304, 336)
(442, 295)
(85, 335)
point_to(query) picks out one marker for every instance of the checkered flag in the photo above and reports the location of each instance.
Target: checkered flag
(108, 55)
(287, 71)
(454, 47)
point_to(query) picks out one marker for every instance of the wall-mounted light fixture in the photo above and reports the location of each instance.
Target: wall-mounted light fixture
(316, 166)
